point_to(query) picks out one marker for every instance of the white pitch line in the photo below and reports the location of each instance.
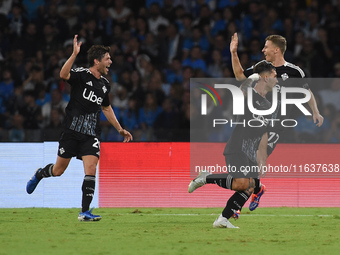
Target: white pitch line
(214, 214)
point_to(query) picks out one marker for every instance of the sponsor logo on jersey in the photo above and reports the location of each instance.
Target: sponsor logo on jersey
(104, 89)
(92, 97)
(284, 76)
(89, 83)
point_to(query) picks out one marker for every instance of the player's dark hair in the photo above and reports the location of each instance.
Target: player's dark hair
(279, 41)
(263, 66)
(96, 52)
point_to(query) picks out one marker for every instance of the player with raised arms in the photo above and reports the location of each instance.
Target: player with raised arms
(81, 130)
(289, 75)
(242, 150)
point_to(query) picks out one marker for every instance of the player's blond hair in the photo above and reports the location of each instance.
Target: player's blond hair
(279, 41)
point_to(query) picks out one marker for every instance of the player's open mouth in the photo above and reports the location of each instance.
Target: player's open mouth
(107, 68)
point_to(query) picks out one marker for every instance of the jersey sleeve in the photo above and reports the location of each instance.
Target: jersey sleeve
(248, 71)
(74, 77)
(299, 76)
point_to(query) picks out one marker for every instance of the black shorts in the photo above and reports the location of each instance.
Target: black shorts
(74, 144)
(240, 166)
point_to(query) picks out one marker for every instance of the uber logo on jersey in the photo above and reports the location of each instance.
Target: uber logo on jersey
(284, 76)
(92, 97)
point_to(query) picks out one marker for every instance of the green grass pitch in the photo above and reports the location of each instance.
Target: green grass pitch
(169, 231)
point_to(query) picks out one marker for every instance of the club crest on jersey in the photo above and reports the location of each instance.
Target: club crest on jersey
(104, 89)
(89, 83)
(61, 151)
(284, 76)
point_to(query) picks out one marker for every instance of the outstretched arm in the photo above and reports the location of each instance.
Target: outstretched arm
(111, 117)
(65, 70)
(235, 61)
(316, 114)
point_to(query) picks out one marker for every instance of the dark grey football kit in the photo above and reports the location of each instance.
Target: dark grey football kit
(288, 75)
(241, 149)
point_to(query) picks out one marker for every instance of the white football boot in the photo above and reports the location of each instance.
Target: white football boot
(199, 181)
(222, 222)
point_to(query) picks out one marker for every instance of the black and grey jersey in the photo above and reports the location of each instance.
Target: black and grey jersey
(246, 137)
(88, 94)
(288, 75)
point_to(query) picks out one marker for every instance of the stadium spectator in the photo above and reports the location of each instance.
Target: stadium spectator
(36, 76)
(57, 102)
(147, 116)
(150, 47)
(119, 12)
(195, 59)
(174, 72)
(167, 122)
(130, 118)
(33, 8)
(332, 95)
(60, 26)
(69, 11)
(171, 46)
(16, 131)
(53, 130)
(31, 111)
(156, 19)
(215, 68)
(197, 39)
(17, 22)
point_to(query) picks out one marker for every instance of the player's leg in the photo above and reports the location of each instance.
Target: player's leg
(261, 156)
(49, 170)
(89, 153)
(232, 209)
(66, 150)
(239, 198)
(89, 184)
(224, 180)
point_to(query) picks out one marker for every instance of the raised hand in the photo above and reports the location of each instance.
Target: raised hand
(76, 45)
(234, 43)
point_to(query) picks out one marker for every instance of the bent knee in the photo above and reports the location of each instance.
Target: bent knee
(240, 184)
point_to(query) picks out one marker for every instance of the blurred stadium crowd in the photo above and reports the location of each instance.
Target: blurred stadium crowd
(156, 47)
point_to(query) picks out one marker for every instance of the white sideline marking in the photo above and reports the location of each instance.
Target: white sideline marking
(214, 214)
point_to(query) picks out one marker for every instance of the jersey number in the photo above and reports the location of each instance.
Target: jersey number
(96, 143)
(273, 137)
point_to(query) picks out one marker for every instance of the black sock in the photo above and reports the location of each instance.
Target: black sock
(45, 172)
(222, 180)
(257, 187)
(235, 202)
(88, 188)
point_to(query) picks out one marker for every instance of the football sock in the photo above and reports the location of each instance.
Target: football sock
(257, 187)
(88, 188)
(45, 172)
(222, 180)
(235, 202)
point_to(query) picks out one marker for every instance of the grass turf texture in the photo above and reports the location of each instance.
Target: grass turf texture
(169, 231)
